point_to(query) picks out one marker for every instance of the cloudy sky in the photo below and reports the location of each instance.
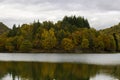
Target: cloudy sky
(100, 13)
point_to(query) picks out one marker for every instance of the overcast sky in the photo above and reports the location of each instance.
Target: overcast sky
(100, 13)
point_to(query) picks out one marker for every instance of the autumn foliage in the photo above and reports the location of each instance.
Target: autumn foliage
(70, 34)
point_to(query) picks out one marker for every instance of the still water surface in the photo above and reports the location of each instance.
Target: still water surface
(59, 66)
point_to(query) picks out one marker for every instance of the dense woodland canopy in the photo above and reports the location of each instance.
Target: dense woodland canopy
(72, 34)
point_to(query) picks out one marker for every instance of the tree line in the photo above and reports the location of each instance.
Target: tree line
(71, 34)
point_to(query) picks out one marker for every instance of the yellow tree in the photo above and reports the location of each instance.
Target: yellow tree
(67, 44)
(109, 42)
(48, 39)
(84, 44)
(112, 43)
(77, 38)
(98, 43)
(20, 39)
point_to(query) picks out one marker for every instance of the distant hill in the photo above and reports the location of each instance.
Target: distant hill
(113, 29)
(3, 28)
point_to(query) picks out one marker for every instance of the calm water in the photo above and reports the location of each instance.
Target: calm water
(59, 66)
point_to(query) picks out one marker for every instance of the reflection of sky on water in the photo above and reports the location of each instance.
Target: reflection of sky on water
(103, 59)
(103, 77)
(8, 77)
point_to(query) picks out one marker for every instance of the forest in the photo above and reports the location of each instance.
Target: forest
(71, 34)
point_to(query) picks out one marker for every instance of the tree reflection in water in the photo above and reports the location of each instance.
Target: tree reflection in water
(54, 71)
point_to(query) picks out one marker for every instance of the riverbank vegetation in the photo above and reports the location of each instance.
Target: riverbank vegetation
(71, 34)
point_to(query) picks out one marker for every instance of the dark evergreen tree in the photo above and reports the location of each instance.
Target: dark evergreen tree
(13, 31)
(36, 25)
(78, 22)
(86, 23)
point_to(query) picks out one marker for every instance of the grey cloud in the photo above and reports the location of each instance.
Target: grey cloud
(97, 11)
(109, 5)
(71, 4)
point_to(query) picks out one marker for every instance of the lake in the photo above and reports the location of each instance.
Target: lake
(14, 66)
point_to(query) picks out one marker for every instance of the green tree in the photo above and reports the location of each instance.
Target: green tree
(73, 23)
(13, 31)
(26, 46)
(9, 45)
(3, 38)
(19, 40)
(37, 41)
(36, 26)
(86, 23)
(26, 31)
(2, 44)
(61, 34)
(48, 25)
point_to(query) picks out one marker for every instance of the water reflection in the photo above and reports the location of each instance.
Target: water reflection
(56, 71)
(101, 59)
(103, 76)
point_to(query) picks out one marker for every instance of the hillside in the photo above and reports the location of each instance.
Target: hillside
(3, 28)
(115, 32)
(113, 29)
